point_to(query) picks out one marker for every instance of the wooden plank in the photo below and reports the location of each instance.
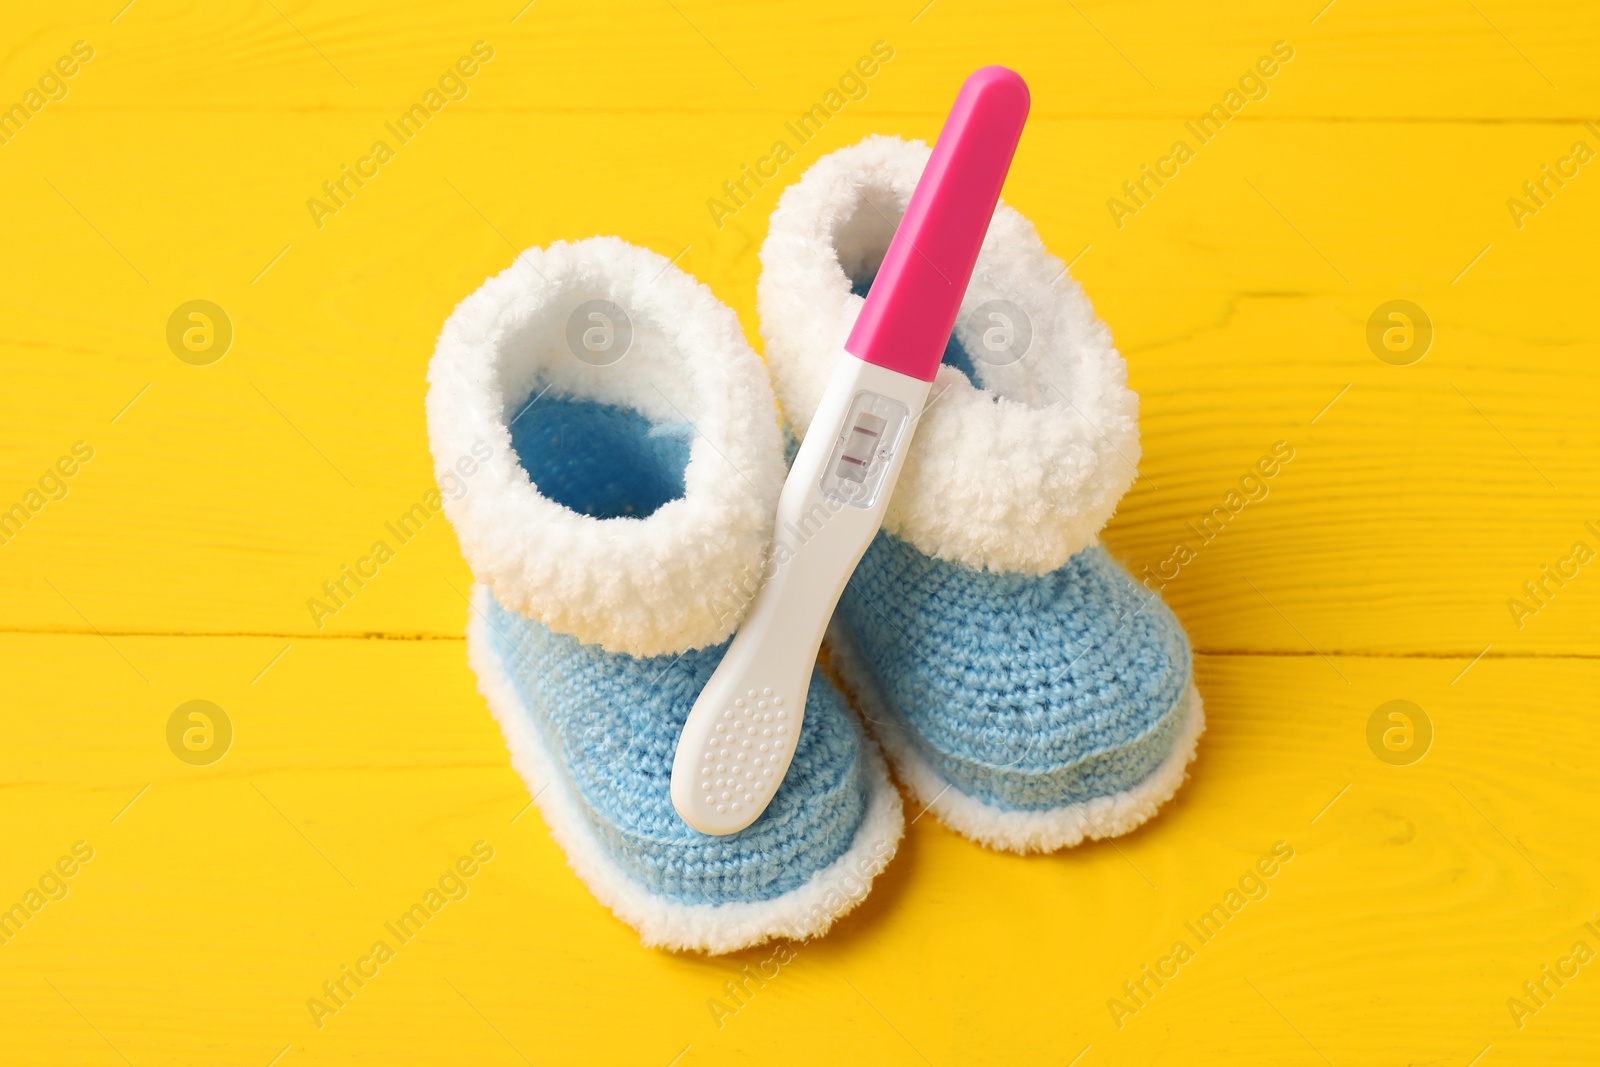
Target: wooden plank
(1417, 902)
(1102, 57)
(226, 495)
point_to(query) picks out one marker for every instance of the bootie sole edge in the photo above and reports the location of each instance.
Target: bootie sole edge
(804, 912)
(1010, 830)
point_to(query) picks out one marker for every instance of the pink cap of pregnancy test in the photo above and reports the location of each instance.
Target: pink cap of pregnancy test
(916, 296)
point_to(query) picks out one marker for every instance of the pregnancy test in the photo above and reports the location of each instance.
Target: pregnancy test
(741, 733)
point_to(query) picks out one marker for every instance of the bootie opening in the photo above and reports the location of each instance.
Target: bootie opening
(1030, 436)
(601, 460)
(635, 455)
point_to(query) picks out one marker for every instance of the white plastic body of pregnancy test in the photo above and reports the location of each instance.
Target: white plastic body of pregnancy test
(740, 735)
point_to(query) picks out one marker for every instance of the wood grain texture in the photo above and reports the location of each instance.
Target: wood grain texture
(216, 905)
(1379, 566)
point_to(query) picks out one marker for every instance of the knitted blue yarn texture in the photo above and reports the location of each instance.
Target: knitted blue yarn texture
(1026, 692)
(612, 721)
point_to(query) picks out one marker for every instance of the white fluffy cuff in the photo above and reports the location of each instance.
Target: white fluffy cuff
(1013, 473)
(644, 587)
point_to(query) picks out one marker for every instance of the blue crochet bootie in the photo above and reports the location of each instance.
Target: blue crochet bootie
(1029, 691)
(614, 460)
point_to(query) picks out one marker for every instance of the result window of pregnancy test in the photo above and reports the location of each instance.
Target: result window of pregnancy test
(864, 443)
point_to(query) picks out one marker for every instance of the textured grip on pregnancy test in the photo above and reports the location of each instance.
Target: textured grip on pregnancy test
(916, 296)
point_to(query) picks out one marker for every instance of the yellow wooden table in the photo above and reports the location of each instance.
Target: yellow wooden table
(1438, 152)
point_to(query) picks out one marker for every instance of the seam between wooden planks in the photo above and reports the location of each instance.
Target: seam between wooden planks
(1219, 653)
